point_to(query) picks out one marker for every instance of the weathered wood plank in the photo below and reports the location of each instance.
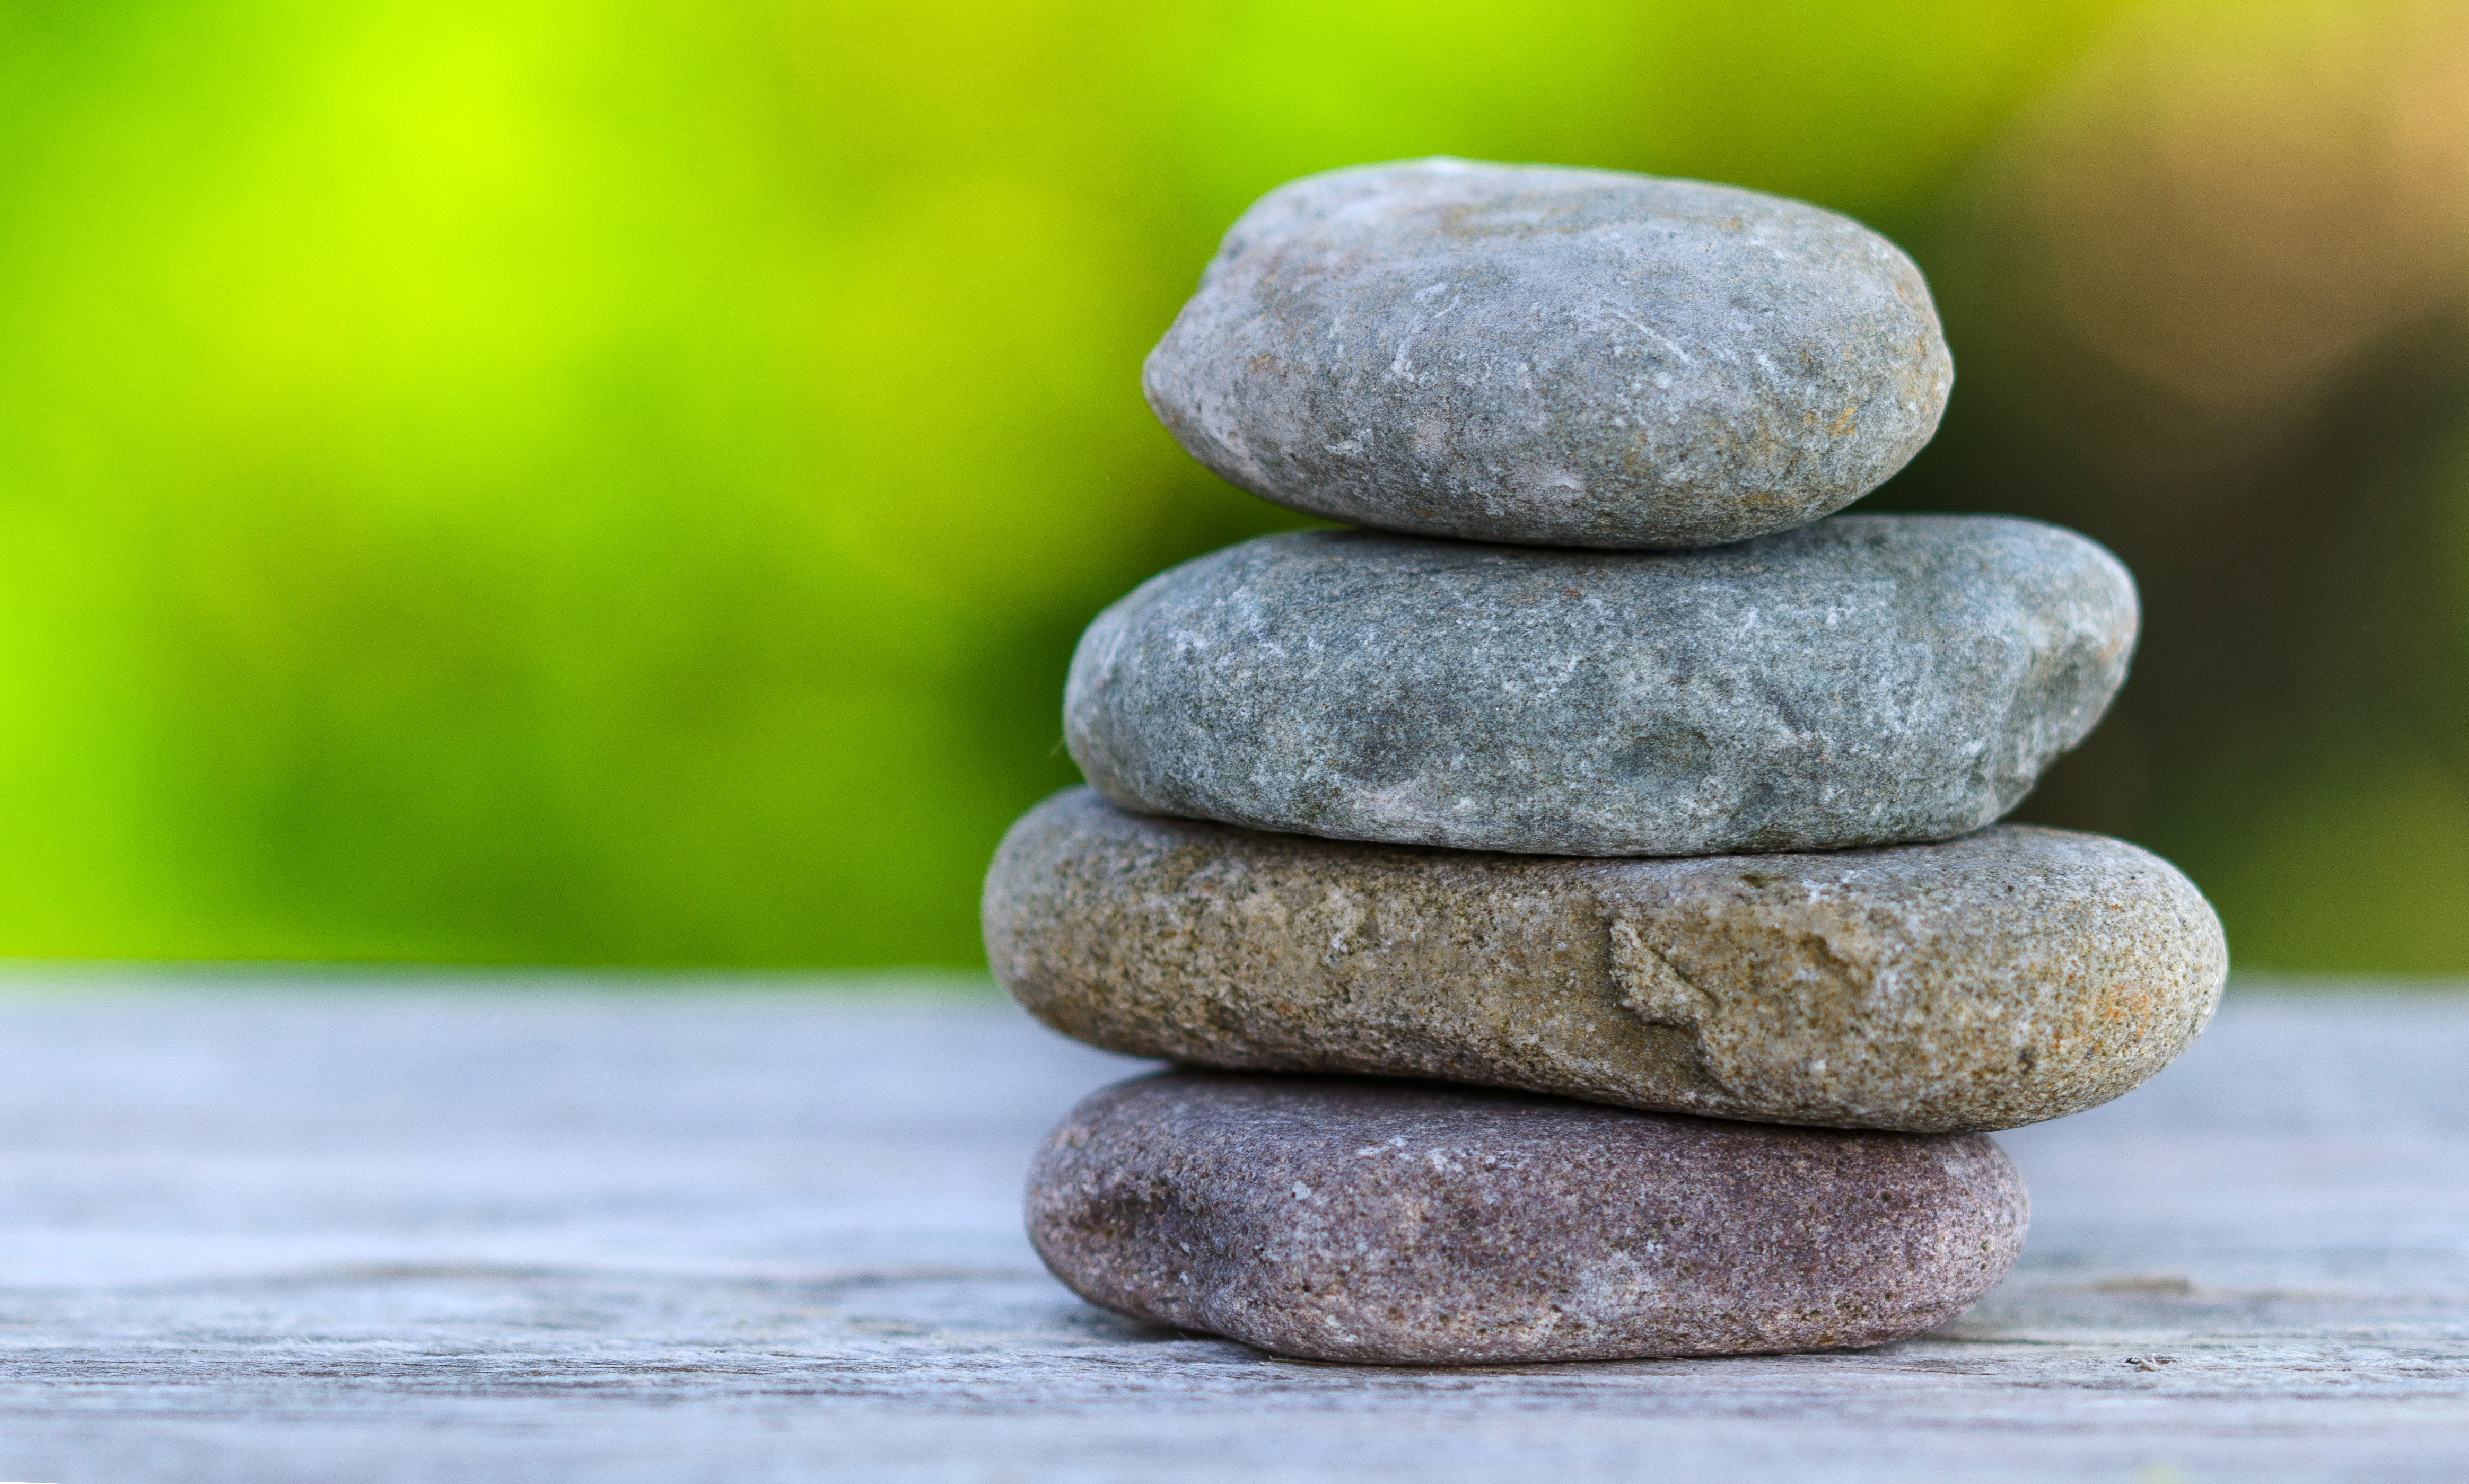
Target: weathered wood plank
(513, 1231)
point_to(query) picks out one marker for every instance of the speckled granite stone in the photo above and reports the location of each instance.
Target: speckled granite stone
(1570, 357)
(2000, 979)
(1415, 1225)
(1862, 680)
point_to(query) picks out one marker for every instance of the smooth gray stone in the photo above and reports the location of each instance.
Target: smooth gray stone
(1570, 357)
(1432, 1226)
(1865, 681)
(2006, 977)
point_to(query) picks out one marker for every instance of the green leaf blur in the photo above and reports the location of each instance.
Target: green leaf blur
(618, 483)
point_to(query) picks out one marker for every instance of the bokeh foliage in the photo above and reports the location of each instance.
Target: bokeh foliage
(618, 482)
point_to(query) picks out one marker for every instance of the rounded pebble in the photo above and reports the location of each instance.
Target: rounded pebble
(1569, 357)
(1423, 1226)
(2006, 977)
(1865, 681)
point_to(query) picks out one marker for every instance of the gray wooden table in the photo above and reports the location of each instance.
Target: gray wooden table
(518, 1229)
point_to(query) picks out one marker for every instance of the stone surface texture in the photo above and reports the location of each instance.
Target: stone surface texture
(1419, 1225)
(2000, 979)
(1570, 357)
(1862, 680)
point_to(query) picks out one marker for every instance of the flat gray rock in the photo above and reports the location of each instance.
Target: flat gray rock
(2006, 977)
(1864, 681)
(1425, 1225)
(1570, 357)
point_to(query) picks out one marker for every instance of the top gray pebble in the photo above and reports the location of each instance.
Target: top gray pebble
(1560, 357)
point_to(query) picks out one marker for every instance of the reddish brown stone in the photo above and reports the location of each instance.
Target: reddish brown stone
(1411, 1224)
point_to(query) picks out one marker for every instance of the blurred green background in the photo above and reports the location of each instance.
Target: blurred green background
(618, 482)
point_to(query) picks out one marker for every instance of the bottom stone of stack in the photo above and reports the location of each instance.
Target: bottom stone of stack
(1422, 1224)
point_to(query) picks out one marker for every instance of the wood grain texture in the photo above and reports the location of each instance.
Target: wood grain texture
(523, 1230)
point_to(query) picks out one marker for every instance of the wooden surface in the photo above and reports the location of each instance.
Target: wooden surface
(506, 1230)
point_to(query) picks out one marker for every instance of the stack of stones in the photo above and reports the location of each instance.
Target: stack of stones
(1574, 896)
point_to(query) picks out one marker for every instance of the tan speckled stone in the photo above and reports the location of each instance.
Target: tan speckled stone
(2005, 977)
(1411, 1224)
